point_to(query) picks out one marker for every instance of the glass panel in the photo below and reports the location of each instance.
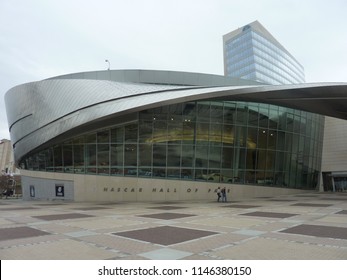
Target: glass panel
(202, 133)
(78, 151)
(173, 173)
(145, 172)
(189, 112)
(67, 157)
(187, 155)
(116, 171)
(130, 155)
(188, 131)
(130, 172)
(159, 172)
(91, 138)
(216, 112)
(252, 137)
(130, 133)
(213, 176)
(227, 157)
(79, 140)
(117, 154)
(91, 158)
(215, 157)
(103, 158)
(187, 174)
(241, 154)
(174, 155)
(103, 136)
(175, 129)
(253, 115)
(117, 135)
(228, 135)
(58, 159)
(42, 160)
(146, 132)
(49, 160)
(145, 155)
(201, 156)
(203, 112)
(159, 155)
(215, 134)
(229, 112)
(201, 174)
(159, 131)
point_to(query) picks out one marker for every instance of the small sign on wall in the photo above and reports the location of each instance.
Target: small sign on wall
(59, 190)
(32, 191)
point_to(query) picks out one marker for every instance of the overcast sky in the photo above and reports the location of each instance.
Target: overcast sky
(41, 39)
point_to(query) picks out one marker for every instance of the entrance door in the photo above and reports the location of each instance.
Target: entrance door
(340, 184)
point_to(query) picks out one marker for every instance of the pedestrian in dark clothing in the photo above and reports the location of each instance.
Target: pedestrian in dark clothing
(224, 195)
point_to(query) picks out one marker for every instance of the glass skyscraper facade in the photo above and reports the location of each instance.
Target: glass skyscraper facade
(253, 53)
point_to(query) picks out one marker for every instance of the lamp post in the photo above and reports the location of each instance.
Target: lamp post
(106, 60)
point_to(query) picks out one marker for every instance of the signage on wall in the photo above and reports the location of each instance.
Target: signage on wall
(59, 190)
(154, 190)
(32, 191)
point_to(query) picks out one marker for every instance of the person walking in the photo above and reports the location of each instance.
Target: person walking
(224, 195)
(219, 195)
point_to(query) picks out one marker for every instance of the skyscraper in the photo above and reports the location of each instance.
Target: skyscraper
(252, 53)
(6, 157)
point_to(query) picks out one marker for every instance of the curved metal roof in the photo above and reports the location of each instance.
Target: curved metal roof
(41, 111)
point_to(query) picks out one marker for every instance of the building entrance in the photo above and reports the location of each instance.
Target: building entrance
(335, 182)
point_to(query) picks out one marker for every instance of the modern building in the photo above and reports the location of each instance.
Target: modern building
(7, 165)
(252, 53)
(163, 135)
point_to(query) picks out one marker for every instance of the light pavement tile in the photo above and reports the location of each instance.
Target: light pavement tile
(139, 225)
(333, 219)
(319, 241)
(237, 222)
(120, 244)
(165, 254)
(60, 250)
(275, 226)
(211, 243)
(269, 249)
(30, 241)
(6, 222)
(54, 228)
(80, 233)
(166, 222)
(101, 223)
(250, 232)
(197, 257)
(297, 209)
(199, 226)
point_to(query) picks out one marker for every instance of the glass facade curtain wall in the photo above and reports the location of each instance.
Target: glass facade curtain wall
(215, 141)
(252, 56)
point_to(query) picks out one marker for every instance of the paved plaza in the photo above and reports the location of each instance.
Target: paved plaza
(309, 226)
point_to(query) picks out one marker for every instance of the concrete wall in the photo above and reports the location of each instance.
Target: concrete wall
(108, 188)
(335, 145)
